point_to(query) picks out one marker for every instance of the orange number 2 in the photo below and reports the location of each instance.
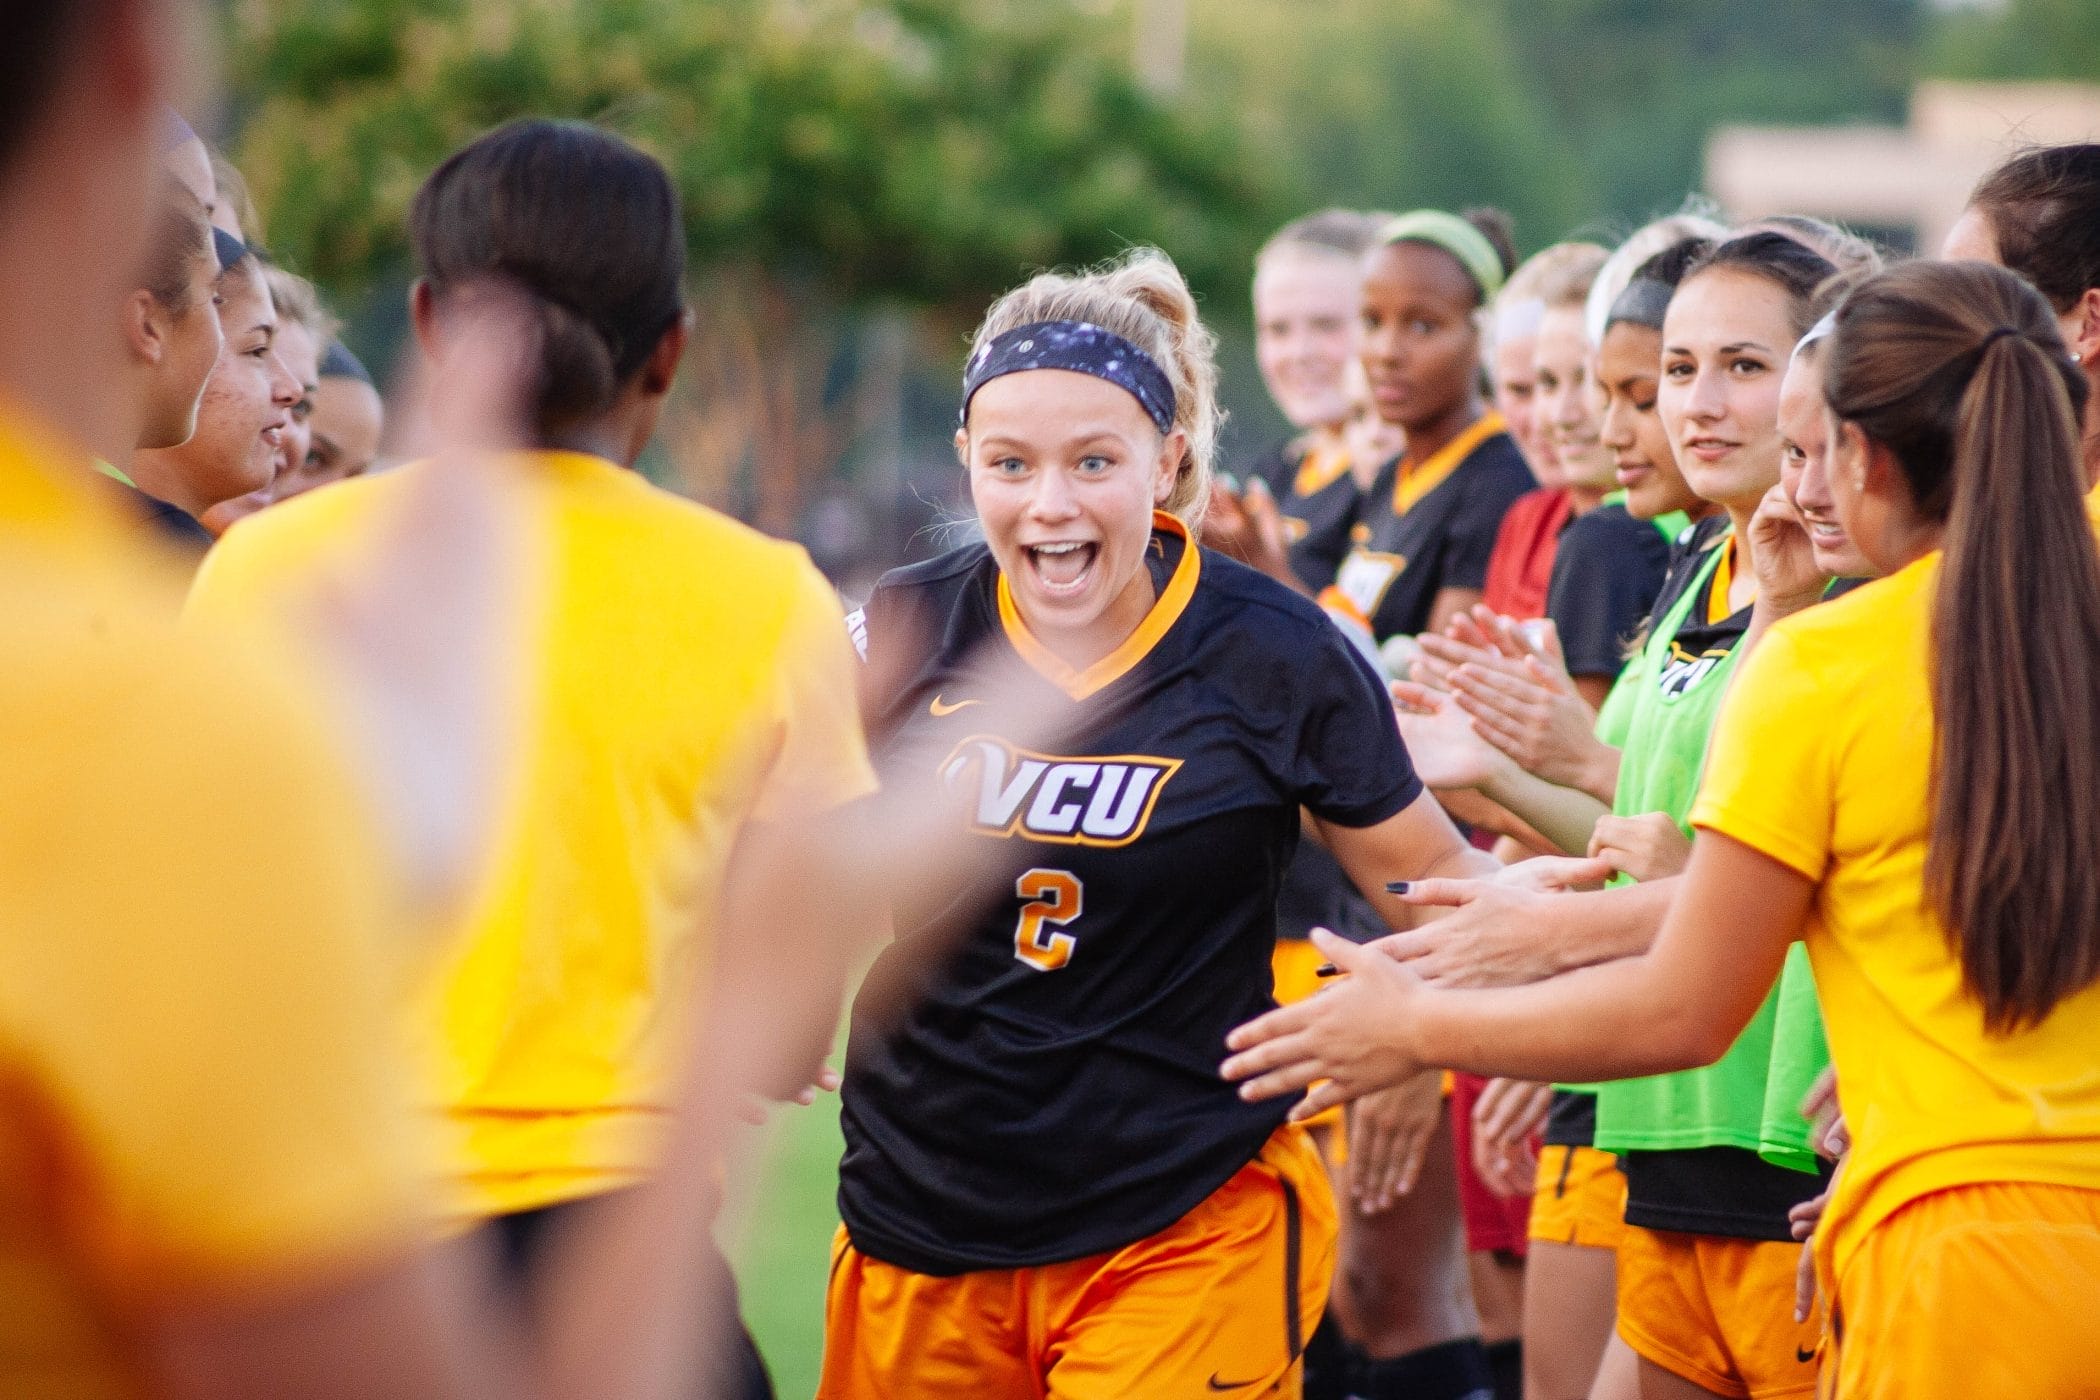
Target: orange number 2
(1053, 901)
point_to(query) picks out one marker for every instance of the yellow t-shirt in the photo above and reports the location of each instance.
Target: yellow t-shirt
(685, 675)
(197, 1098)
(1823, 761)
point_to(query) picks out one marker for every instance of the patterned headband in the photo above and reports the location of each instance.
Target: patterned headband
(1078, 346)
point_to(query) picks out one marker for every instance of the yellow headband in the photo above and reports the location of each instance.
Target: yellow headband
(1456, 237)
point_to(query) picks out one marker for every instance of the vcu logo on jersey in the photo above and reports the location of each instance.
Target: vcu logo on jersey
(1095, 800)
(1682, 671)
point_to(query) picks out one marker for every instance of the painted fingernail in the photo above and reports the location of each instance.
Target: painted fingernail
(1397, 887)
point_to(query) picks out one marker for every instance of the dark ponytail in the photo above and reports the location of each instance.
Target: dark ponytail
(1959, 371)
(586, 226)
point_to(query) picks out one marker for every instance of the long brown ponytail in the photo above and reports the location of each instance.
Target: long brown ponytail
(1958, 369)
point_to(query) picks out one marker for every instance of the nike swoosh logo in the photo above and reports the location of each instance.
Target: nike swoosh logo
(1804, 1355)
(1216, 1384)
(940, 709)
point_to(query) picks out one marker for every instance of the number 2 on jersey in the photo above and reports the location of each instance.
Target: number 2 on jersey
(1054, 898)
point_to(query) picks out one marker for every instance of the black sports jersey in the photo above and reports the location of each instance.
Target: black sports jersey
(1274, 465)
(1320, 510)
(1051, 1089)
(1430, 527)
(1607, 571)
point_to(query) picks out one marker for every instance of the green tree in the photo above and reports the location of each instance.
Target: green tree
(831, 155)
(1393, 104)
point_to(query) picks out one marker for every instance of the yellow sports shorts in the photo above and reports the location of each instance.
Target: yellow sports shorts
(1580, 1198)
(1296, 966)
(1982, 1290)
(1221, 1302)
(1717, 1311)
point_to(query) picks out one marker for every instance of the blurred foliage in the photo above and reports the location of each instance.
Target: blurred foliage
(842, 160)
(1393, 104)
(1574, 115)
(1634, 87)
(926, 150)
(2018, 39)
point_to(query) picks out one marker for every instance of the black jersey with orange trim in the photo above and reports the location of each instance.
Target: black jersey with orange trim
(1050, 1088)
(1431, 525)
(1320, 511)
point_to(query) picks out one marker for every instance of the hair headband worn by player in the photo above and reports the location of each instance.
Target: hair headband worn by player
(228, 249)
(1642, 303)
(1456, 237)
(1819, 331)
(339, 363)
(1078, 346)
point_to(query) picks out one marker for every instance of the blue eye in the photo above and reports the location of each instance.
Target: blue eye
(1095, 464)
(1008, 466)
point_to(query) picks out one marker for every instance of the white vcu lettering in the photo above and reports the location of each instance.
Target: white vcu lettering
(1088, 801)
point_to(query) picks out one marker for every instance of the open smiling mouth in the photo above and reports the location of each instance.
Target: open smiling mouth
(1062, 567)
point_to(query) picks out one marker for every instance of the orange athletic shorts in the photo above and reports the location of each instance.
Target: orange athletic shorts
(1580, 1198)
(1717, 1311)
(1982, 1290)
(1296, 967)
(1221, 1302)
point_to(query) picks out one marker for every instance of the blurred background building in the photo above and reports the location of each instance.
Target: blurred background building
(1904, 185)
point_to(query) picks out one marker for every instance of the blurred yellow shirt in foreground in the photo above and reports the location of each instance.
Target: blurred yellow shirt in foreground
(684, 675)
(197, 1095)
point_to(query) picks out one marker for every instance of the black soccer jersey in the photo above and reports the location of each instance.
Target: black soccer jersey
(1320, 510)
(1430, 526)
(1051, 1088)
(1607, 570)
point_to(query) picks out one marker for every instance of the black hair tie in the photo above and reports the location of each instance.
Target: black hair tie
(1998, 333)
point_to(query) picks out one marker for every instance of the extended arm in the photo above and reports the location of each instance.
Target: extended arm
(1679, 1005)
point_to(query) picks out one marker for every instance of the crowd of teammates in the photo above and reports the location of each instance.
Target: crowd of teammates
(408, 883)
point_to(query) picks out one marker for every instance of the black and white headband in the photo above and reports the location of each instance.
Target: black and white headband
(1079, 346)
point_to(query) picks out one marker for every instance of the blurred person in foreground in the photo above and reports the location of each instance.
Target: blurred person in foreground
(687, 684)
(208, 1175)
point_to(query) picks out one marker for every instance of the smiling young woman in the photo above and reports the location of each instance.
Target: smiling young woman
(1045, 1188)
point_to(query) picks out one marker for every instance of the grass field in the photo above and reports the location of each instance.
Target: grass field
(783, 1248)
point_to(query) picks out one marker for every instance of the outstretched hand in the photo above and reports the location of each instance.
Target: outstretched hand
(1499, 932)
(1390, 1131)
(1651, 846)
(1442, 744)
(1350, 1035)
